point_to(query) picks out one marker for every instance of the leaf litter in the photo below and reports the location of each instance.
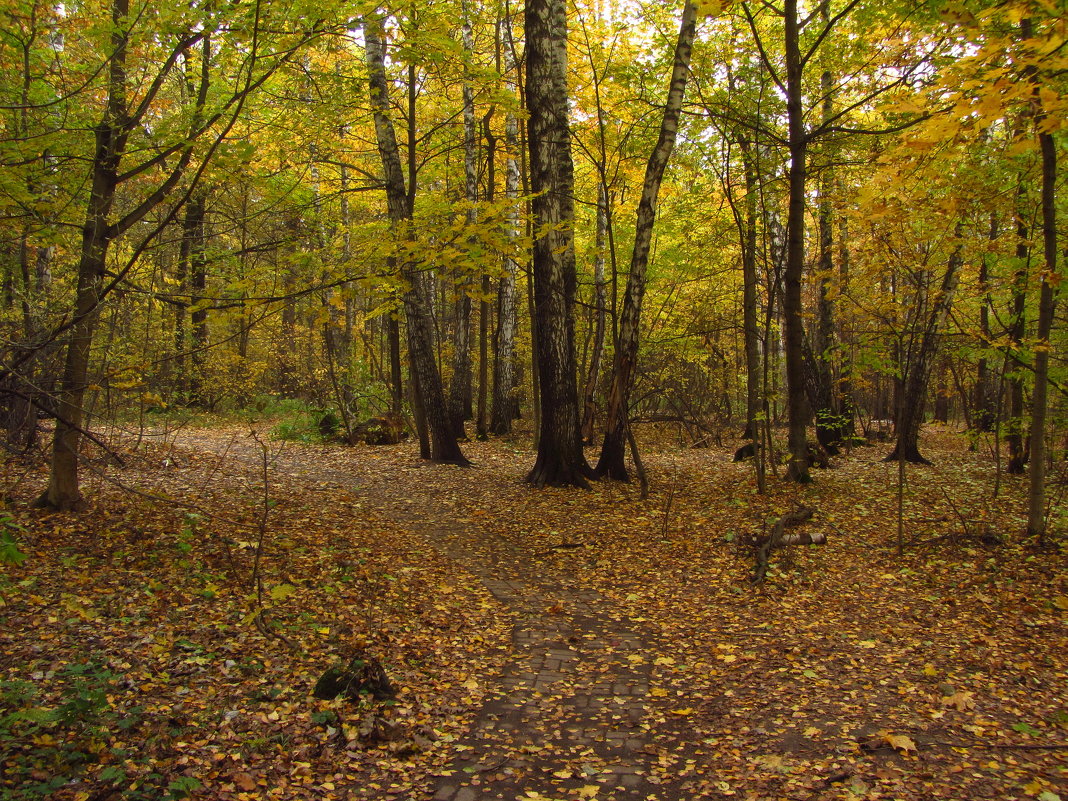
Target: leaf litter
(132, 664)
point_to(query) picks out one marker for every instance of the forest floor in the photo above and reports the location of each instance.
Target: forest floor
(544, 644)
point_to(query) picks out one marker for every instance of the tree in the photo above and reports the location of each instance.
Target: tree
(444, 447)
(611, 462)
(164, 160)
(560, 460)
(504, 352)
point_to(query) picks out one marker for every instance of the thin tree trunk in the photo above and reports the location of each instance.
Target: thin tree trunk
(750, 324)
(984, 401)
(460, 386)
(484, 309)
(611, 462)
(600, 311)
(1036, 503)
(504, 360)
(198, 282)
(1014, 425)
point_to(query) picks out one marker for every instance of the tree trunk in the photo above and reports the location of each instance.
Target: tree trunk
(444, 447)
(63, 491)
(611, 462)
(793, 324)
(918, 370)
(193, 228)
(504, 359)
(1036, 505)
(460, 385)
(1014, 425)
(750, 323)
(484, 309)
(600, 312)
(985, 402)
(560, 461)
(831, 424)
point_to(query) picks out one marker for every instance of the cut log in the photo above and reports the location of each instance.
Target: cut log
(779, 538)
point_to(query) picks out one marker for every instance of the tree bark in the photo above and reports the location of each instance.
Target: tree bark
(611, 462)
(560, 461)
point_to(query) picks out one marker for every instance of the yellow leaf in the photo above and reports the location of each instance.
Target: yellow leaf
(687, 711)
(709, 8)
(564, 773)
(900, 742)
(663, 660)
(658, 692)
(588, 791)
(811, 731)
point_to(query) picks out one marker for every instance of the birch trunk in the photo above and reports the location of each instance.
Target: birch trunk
(611, 462)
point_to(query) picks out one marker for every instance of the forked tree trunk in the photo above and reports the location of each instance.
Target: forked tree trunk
(560, 461)
(443, 447)
(918, 370)
(611, 462)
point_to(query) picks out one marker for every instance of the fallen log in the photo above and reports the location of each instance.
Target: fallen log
(780, 538)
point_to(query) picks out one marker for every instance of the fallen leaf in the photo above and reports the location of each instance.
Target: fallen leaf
(900, 742)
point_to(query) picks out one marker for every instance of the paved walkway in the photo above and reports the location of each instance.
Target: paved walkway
(574, 713)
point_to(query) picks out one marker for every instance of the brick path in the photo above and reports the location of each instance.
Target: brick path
(573, 712)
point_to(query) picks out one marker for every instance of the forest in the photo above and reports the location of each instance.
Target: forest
(463, 399)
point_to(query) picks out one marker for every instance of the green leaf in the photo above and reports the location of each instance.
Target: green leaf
(280, 592)
(1025, 728)
(9, 550)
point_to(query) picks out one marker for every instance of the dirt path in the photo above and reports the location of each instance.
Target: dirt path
(572, 716)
